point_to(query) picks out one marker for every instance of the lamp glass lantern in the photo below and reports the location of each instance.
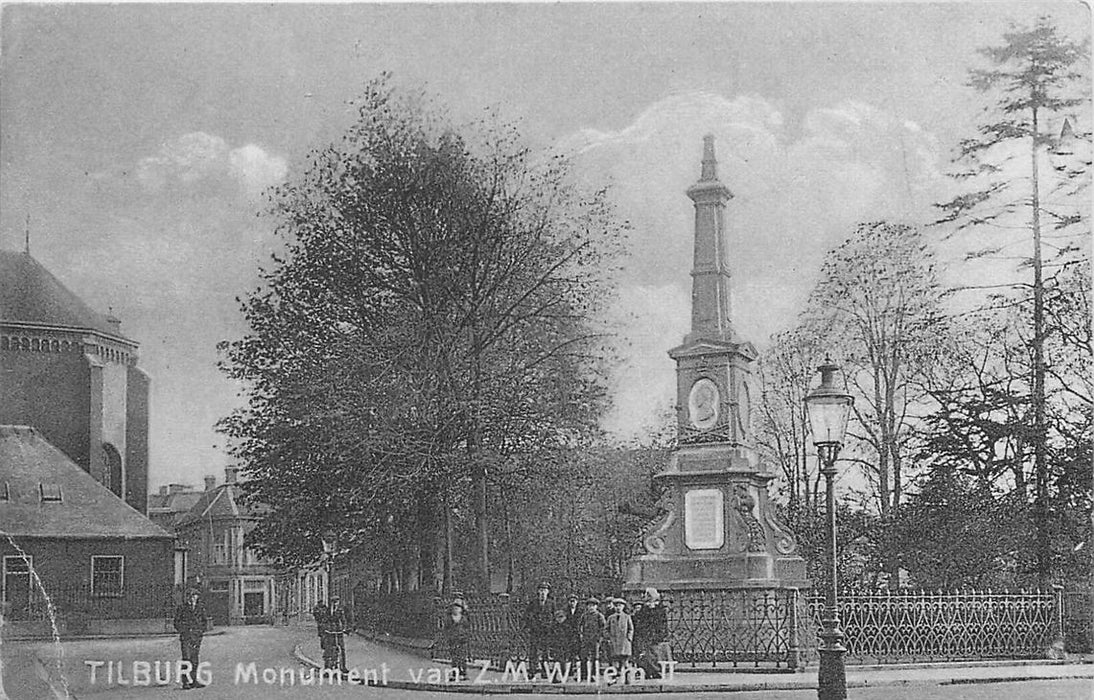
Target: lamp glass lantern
(829, 409)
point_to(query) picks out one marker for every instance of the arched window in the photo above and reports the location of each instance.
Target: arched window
(112, 470)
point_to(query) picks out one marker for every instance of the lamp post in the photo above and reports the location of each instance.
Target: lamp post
(330, 542)
(828, 408)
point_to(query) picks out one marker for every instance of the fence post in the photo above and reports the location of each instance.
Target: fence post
(1058, 622)
(504, 627)
(793, 657)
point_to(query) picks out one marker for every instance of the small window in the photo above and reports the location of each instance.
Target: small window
(50, 493)
(5, 491)
(107, 575)
(218, 586)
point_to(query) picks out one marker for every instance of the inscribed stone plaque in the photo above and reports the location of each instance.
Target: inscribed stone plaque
(704, 525)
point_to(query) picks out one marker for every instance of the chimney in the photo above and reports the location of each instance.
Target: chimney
(163, 490)
(115, 322)
(231, 475)
(177, 488)
(210, 482)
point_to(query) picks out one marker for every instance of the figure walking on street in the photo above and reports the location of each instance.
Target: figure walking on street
(537, 625)
(190, 623)
(333, 625)
(620, 634)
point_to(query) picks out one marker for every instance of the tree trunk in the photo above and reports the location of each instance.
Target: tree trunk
(1040, 468)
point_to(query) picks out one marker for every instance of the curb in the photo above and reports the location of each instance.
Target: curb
(305, 660)
(490, 688)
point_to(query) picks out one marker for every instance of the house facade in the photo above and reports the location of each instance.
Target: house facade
(241, 587)
(73, 553)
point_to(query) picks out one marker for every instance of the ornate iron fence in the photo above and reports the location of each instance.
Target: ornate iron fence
(733, 626)
(904, 625)
(776, 627)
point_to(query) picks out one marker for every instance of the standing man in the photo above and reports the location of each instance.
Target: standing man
(190, 623)
(333, 627)
(537, 625)
(574, 611)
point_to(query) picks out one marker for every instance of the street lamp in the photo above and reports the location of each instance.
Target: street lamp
(330, 543)
(828, 408)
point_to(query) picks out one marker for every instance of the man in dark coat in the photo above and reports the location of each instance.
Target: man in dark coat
(537, 625)
(651, 631)
(574, 611)
(333, 625)
(190, 623)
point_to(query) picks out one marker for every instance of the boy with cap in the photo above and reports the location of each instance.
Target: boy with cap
(620, 634)
(590, 632)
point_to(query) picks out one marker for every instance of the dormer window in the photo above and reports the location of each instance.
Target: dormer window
(50, 493)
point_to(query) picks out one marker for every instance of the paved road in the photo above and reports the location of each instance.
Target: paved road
(271, 648)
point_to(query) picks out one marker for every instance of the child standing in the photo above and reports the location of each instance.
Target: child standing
(456, 636)
(590, 630)
(620, 633)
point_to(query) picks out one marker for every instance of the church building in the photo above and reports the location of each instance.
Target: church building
(69, 372)
(77, 550)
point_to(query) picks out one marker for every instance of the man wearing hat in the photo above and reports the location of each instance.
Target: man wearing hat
(573, 612)
(190, 623)
(333, 625)
(537, 625)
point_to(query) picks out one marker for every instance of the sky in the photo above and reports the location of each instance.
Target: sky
(139, 140)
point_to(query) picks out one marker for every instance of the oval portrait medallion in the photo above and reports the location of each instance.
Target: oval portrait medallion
(703, 404)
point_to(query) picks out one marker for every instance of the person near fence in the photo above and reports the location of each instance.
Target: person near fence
(573, 612)
(651, 634)
(620, 636)
(333, 625)
(537, 625)
(559, 639)
(190, 623)
(456, 635)
(590, 632)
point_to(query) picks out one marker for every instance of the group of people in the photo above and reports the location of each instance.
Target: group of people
(580, 633)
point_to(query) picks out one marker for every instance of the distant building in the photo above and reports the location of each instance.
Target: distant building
(170, 503)
(241, 587)
(69, 372)
(104, 566)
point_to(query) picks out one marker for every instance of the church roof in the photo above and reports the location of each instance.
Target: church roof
(45, 494)
(31, 295)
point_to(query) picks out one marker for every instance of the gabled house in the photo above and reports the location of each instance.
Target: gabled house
(240, 586)
(73, 550)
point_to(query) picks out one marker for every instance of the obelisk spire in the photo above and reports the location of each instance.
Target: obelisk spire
(710, 291)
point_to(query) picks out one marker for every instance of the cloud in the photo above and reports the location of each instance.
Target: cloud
(256, 169)
(199, 159)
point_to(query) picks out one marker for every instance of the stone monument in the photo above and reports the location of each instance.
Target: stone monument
(717, 528)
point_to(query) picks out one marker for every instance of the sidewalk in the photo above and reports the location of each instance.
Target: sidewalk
(400, 668)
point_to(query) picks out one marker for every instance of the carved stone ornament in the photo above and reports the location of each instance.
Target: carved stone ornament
(745, 504)
(703, 404)
(653, 539)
